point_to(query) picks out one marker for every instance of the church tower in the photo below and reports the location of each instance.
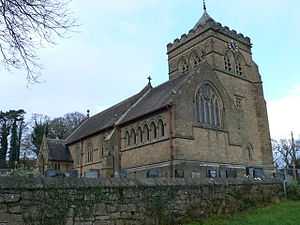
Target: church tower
(225, 50)
(230, 57)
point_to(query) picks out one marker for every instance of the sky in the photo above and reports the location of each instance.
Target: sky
(121, 42)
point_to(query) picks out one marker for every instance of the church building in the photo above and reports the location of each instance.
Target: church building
(208, 120)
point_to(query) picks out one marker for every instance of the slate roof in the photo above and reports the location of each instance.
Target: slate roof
(147, 101)
(58, 151)
(205, 18)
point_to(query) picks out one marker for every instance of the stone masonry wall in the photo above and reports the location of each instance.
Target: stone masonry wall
(40, 201)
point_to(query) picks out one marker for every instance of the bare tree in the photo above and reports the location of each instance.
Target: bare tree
(25, 25)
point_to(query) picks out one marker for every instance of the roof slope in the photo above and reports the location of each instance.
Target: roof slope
(147, 101)
(156, 99)
(58, 151)
(105, 119)
(205, 18)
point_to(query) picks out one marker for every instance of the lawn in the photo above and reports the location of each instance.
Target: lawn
(285, 213)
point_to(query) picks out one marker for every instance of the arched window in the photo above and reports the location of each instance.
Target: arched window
(161, 128)
(153, 131)
(146, 133)
(209, 106)
(228, 61)
(183, 66)
(133, 136)
(238, 67)
(140, 135)
(128, 138)
(194, 59)
(250, 152)
(89, 151)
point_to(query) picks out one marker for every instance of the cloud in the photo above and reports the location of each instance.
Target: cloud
(284, 114)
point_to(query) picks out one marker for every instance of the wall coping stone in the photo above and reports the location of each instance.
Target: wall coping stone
(15, 183)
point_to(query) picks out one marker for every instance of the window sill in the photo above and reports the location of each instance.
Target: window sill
(209, 128)
(145, 144)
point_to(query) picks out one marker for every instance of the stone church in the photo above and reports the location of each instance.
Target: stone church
(208, 120)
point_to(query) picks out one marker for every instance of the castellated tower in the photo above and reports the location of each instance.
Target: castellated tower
(229, 55)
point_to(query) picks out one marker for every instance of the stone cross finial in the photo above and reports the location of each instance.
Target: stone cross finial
(149, 79)
(204, 5)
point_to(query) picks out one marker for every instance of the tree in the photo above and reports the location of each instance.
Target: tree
(25, 25)
(4, 133)
(17, 118)
(11, 125)
(40, 127)
(62, 127)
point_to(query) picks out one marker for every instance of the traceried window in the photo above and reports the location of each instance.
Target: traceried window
(183, 66)
(161, 128)
(209, 107)
(194, 59)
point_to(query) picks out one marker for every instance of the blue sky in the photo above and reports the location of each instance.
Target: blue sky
(121, 42)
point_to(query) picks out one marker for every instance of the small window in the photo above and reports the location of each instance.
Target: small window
(153, 130)
(146, 133)
(161, 128)
(128, 138)
(133, 136)
(140, 135)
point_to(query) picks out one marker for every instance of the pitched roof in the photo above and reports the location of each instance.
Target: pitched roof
(104, 119)
(205, 18)
(147, 101)
(58, 151)
(156, 99)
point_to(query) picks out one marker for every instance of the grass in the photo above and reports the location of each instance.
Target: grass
(285, 213)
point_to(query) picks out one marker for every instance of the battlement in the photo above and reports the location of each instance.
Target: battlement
(210, 25)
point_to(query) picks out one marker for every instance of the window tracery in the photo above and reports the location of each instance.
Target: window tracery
(209, 107)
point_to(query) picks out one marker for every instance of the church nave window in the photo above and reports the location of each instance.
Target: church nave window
(128, 138)
(153, 131)
(133, 136)
(140, 135)
(146, 133)
(161, 128)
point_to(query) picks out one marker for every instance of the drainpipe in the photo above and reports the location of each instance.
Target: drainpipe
(171, 134)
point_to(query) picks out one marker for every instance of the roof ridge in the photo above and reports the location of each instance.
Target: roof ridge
(109, 109)
(134, 105)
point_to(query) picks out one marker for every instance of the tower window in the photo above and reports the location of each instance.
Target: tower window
(227, 63)
(238, 68)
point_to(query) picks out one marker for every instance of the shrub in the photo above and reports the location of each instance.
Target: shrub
(294, 191)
